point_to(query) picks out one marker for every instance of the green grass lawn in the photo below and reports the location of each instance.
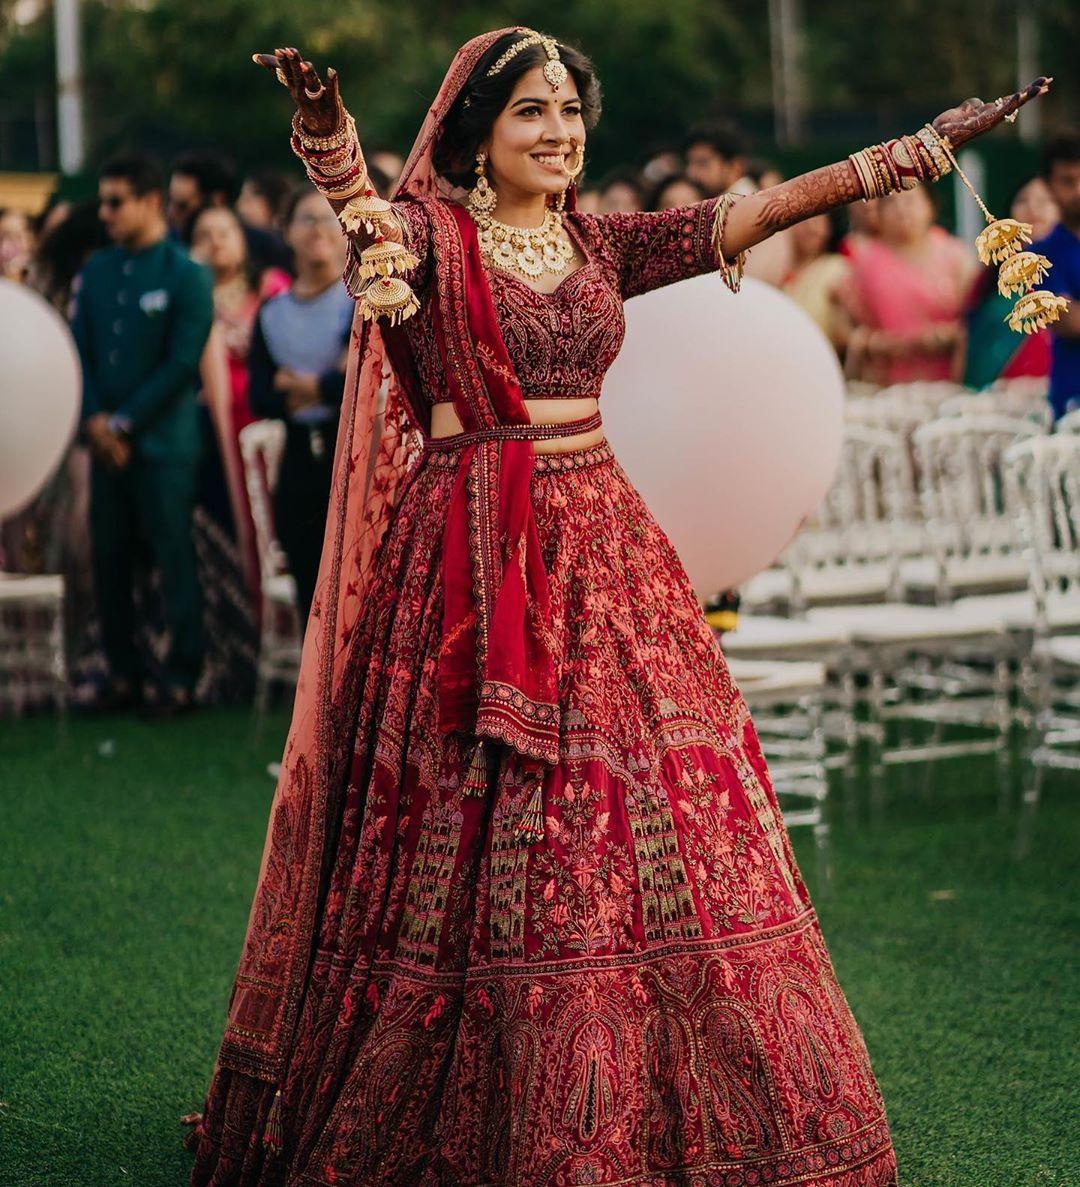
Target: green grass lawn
(128, 854)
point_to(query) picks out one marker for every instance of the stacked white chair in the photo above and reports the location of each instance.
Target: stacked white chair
(33, 658)
(261, 447)
(1045, 477)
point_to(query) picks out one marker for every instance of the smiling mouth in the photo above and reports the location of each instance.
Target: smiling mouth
(549, 160)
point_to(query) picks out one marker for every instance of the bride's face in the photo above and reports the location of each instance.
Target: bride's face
(530, 141)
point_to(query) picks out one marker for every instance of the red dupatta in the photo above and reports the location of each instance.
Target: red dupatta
(496, 670)
(496, 666)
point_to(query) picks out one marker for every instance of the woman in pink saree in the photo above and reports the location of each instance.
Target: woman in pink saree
(906, 293)
(527, 914)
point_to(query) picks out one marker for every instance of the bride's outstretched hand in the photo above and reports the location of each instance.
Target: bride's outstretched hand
(973, 117)
(321, 109)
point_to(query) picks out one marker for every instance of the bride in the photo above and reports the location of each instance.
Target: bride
(527, 913)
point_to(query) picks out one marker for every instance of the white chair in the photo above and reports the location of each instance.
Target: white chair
(1021, 403)
(850, 550)
(261, 447)
(1044, 475)
(970, 522)
(33, 659)
(787, 701)
(852, 547)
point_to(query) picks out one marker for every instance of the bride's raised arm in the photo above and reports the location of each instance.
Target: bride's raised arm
(386, 240)
(871, 173)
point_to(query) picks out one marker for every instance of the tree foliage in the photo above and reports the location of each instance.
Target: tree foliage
(177, 73)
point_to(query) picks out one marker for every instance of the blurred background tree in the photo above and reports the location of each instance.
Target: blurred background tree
(176, 74)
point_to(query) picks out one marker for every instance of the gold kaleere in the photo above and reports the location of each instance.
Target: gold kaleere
(1001, 239)
(1001, 242)
(366, 211)
(389, 297)
(1036, 310)
(385, 257)
(1021, 271)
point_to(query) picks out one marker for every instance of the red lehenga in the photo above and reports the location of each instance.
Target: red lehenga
(639, 992)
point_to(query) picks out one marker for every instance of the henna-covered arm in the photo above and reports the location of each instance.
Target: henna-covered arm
(757, 216)
(760, 215)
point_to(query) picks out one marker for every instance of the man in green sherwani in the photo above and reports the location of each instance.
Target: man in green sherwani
(142, 316)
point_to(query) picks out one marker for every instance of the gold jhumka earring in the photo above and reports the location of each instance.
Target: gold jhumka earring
(482, 197)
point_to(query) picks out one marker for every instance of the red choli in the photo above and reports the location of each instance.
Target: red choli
(562, 343)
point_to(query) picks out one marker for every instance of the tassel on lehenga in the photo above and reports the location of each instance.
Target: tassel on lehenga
(273, 1137)
(476, 774)
(530, 825)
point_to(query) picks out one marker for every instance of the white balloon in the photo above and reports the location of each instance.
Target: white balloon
(40, 390)
(726, 411)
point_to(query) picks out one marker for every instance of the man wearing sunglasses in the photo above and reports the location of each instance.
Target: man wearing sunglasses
(143, 312)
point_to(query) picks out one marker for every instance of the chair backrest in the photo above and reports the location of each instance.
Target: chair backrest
(261, 446)
(964, 496)
(870, 514)
(1023, 402)
(1043, 474)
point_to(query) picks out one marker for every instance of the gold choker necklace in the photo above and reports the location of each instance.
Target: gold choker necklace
(531, 251)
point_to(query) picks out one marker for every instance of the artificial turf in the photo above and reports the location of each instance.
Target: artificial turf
(128, 854)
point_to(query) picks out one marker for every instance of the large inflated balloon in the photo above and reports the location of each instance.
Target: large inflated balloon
(726, 410)
(40, 389)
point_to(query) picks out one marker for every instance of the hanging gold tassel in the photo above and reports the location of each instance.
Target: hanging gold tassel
(390, 297)
(530, 827)
(1036, 310)
(1019, 272)
(383, 263)
(1000, 243)
(273, 1138)
(384, 257)
(365, 211)
(1001, 239)
(476, 776)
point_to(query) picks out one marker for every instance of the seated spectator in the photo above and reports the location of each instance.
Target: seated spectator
(993, 350)
(906, 295)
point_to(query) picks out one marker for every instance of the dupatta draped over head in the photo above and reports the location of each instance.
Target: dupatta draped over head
(497, 677)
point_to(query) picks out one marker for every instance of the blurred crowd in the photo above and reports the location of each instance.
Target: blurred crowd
(248, 271)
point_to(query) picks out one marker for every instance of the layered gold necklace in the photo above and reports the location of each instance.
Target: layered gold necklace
(532, 252)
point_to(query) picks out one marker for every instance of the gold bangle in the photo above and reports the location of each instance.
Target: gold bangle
(934, 146)
(337, 139)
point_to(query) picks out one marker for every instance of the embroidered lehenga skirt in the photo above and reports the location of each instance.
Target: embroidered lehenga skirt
(643, 996)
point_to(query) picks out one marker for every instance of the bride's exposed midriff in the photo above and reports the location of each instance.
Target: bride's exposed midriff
(445, 422)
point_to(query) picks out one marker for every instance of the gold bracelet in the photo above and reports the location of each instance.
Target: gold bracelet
(934, 146)
(337, 139)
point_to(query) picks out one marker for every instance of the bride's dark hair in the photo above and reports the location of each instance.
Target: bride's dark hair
(467, 125)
